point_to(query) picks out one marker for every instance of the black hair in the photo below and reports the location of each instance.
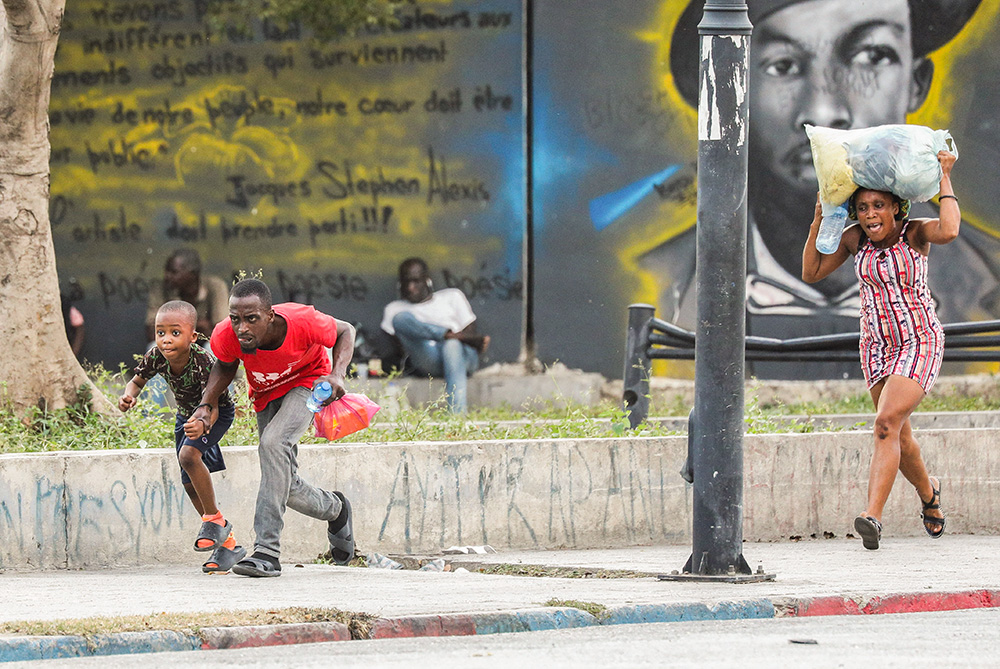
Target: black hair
(181, 307)
(188, 257)
(248, 287)
(67, 303)
(412, 262)
(901, 214)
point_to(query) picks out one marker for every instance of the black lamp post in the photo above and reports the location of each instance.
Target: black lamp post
(716, 431)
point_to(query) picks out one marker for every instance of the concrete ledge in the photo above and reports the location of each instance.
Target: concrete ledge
(89, 510)
(511, 385)
(558, 386)
(944, 420)
(496, 386)
(665, 391)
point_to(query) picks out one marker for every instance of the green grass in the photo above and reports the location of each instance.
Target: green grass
(78, 429)
(862, 403)
(147, 426)
(437, 424)
(539, 571)
(599, 611)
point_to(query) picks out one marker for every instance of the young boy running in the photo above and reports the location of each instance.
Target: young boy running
(182, 357)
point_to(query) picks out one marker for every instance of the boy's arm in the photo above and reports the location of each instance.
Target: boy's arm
(132, 390)
(219, 378)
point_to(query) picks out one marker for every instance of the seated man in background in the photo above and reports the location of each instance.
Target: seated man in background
(182, 280)
(73, 320)
(437, 330)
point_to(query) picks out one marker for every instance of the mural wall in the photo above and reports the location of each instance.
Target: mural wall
(325, 165)
(321, 166)
(615, 152)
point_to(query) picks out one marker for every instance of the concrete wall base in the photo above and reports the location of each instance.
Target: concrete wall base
(88, 510)
(496, 386)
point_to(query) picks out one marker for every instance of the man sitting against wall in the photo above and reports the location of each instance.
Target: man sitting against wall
(182, 280)
(437, 330)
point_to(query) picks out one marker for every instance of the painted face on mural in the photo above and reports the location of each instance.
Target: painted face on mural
(833, 63)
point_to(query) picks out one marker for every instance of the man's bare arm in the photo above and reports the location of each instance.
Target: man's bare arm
(221, 376)
(340, 357)
(468, 335)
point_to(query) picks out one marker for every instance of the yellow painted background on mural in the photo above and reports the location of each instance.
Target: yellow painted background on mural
(953, 73)
(276, 144)
(670, 219)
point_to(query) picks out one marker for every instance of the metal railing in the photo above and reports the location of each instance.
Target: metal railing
(649, 338)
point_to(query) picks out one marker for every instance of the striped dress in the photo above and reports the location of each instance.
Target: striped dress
(900, 332)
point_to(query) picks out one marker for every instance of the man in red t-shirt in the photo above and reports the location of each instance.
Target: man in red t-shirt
(284, 352)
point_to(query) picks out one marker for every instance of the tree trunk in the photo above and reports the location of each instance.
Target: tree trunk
(37, 366)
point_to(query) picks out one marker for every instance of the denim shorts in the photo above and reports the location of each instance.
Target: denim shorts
(208, 444)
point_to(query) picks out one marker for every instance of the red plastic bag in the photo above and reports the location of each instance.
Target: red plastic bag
(339, 418)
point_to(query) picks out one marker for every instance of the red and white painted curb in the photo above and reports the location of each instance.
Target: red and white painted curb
(218, 638)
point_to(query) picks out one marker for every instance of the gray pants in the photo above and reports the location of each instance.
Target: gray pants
(281, 424)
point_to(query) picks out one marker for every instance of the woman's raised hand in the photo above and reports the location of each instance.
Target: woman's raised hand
(947, 160)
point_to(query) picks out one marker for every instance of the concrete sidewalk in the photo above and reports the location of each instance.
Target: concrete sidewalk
(813, 577)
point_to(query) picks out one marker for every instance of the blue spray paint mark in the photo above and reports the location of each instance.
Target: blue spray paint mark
(560, 153)
(607, 208)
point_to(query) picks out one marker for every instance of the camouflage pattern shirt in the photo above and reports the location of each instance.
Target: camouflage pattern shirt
(189, 385)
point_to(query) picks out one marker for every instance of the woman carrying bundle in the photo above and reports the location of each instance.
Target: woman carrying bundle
(901, 337)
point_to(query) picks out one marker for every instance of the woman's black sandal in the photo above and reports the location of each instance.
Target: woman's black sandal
(870, 531)
(933, 525)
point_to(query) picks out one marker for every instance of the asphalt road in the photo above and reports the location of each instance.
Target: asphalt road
(950, 639)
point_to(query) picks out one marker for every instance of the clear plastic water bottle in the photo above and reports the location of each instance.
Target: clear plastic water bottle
(831, 228)
(320, 393)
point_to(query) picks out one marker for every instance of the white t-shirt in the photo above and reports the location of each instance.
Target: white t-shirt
(447, 307)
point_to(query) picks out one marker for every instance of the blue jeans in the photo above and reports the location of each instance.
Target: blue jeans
(281, 424)
(434, 355)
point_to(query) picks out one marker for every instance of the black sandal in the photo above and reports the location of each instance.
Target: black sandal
(223, 559)
(213, 532)
(933, 525)
(342, 540)
(870, 531)
(258, 566)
